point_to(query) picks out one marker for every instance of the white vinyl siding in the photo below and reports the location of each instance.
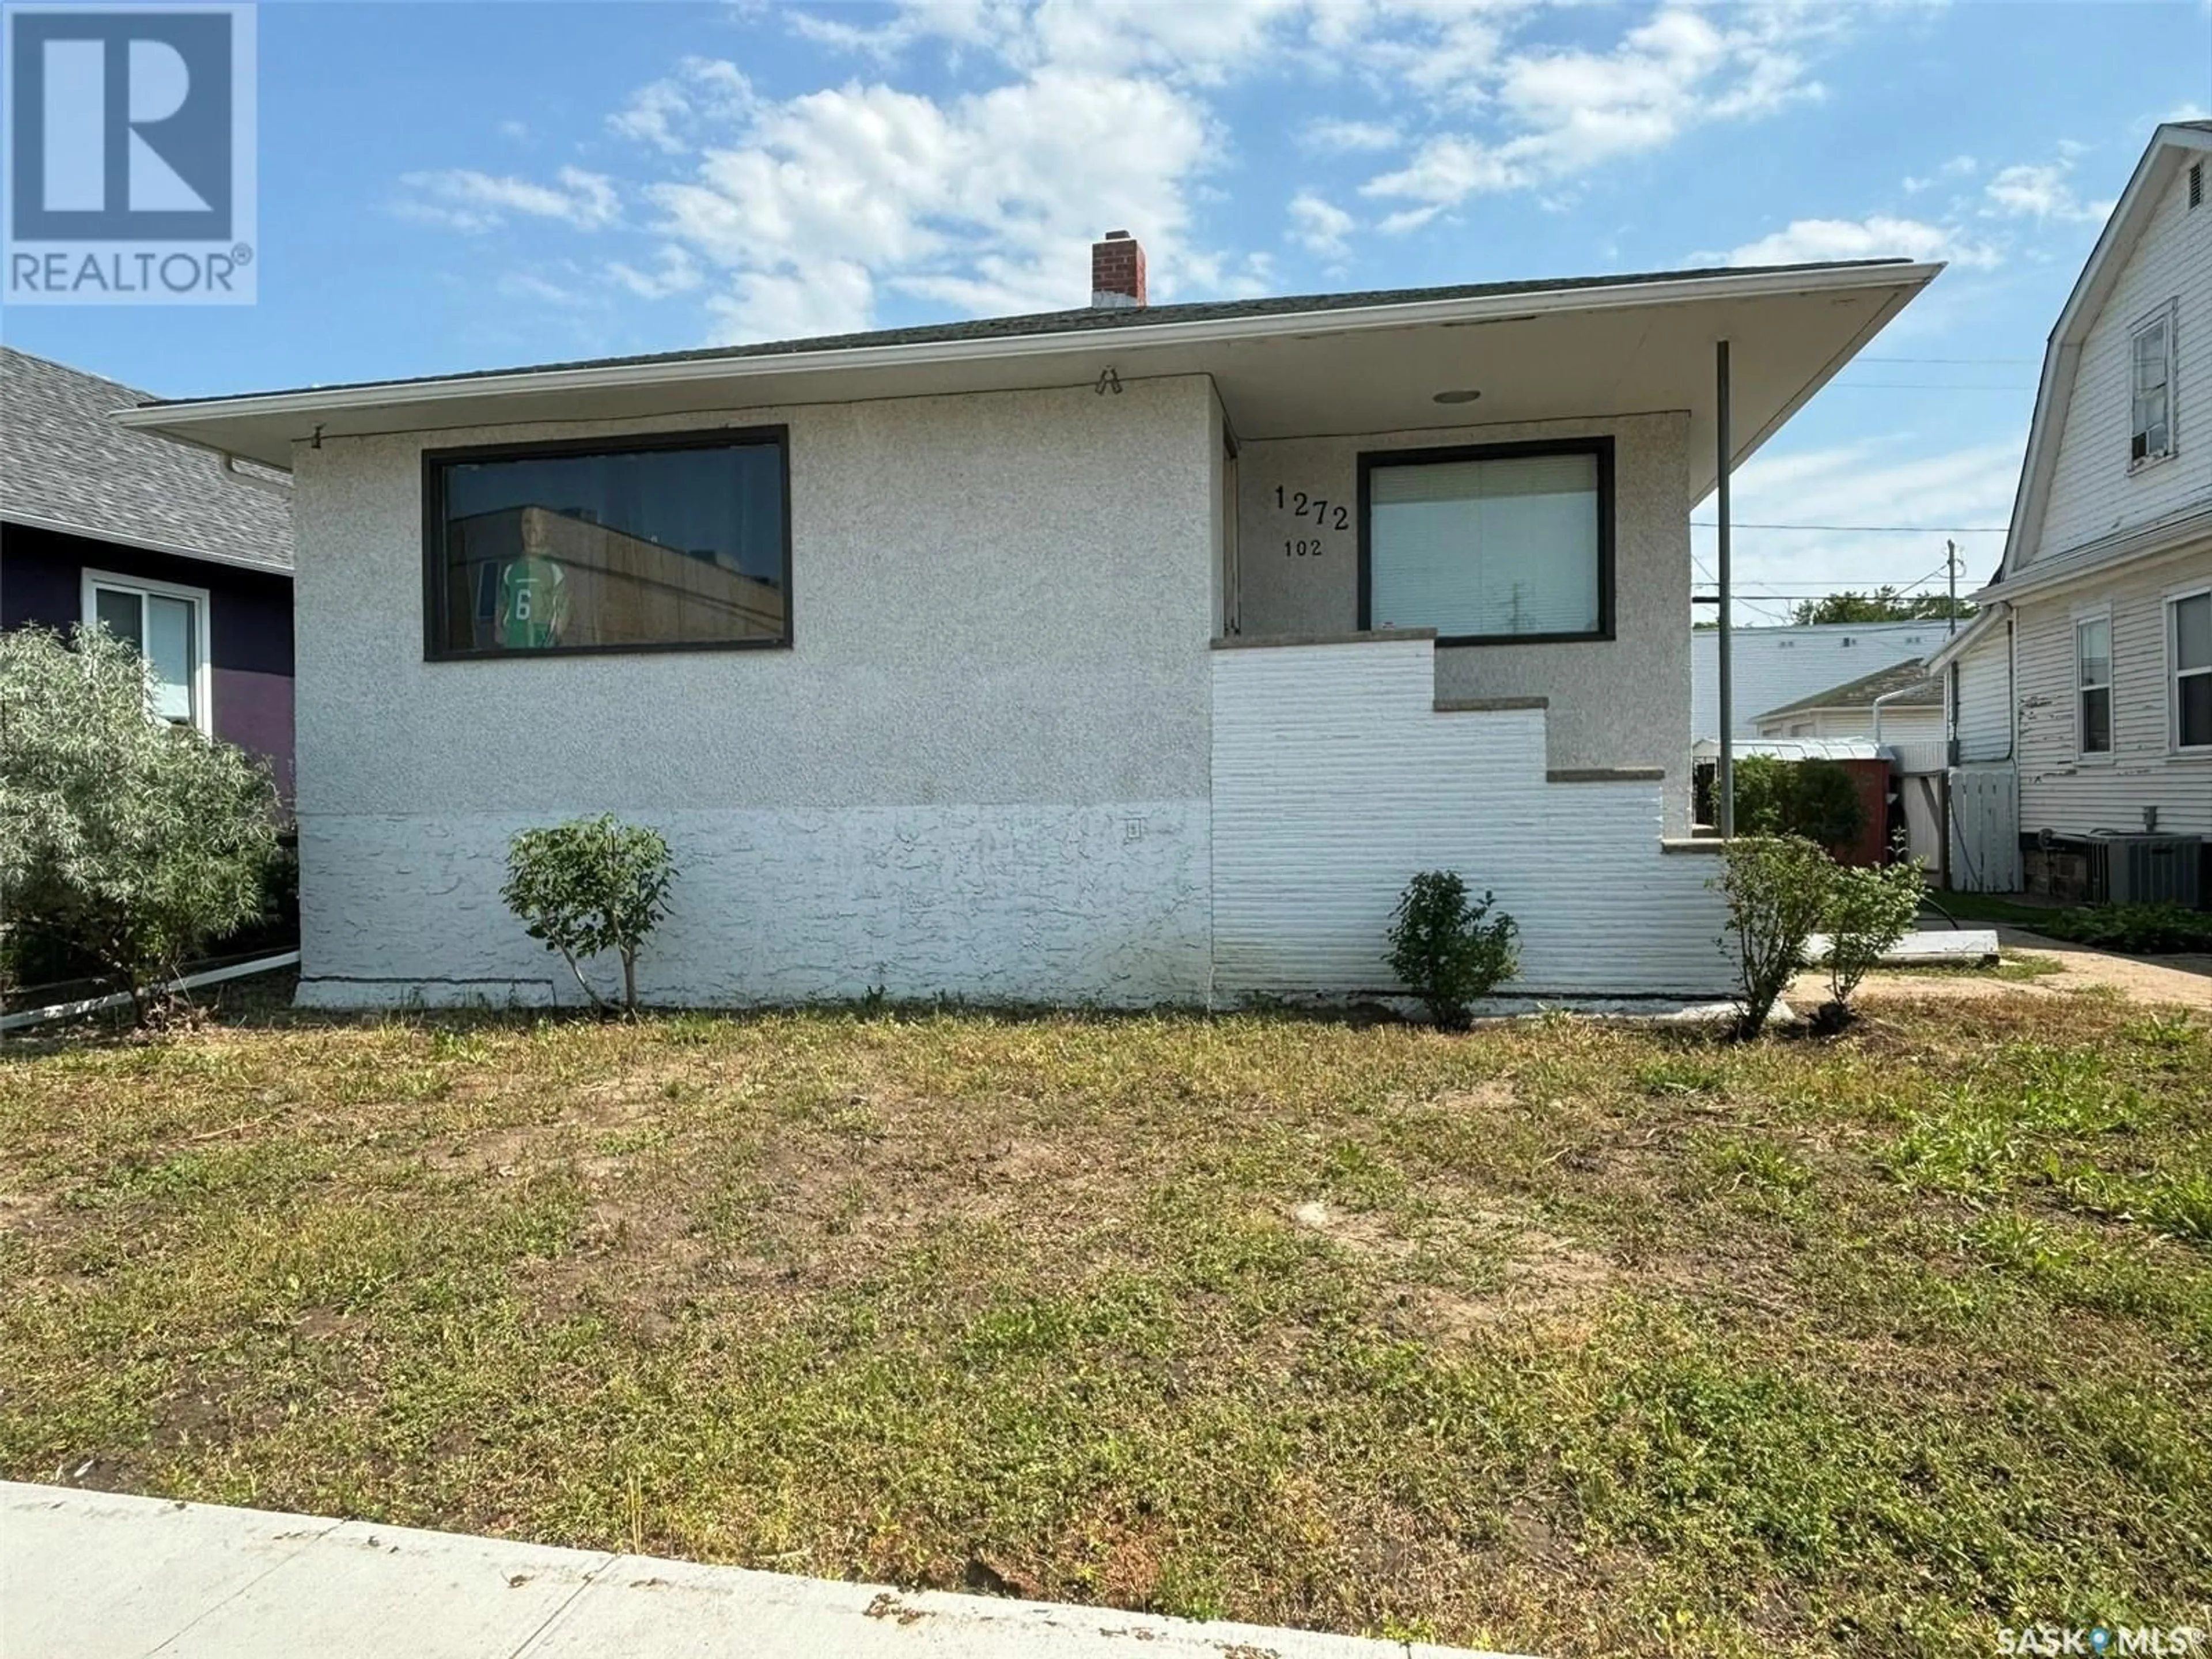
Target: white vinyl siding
(2094, 489)
(2059, 790)
(1487, 548)
(1983, 688)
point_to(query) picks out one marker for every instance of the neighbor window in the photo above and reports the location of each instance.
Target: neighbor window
(662, 543)
(2189, 638)
(2093, 665)
(2150, 350)
(168, 626)
(1504, 544)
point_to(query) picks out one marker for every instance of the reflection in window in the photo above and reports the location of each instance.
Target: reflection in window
(608, 549)
(165, 629)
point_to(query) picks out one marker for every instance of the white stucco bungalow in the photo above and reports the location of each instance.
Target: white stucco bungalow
(1127, 653)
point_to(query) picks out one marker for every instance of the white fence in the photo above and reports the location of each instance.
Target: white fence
(1985, 830)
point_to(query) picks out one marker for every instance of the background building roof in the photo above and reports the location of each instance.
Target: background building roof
(65, 466)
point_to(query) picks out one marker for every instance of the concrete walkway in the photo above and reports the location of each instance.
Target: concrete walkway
(88, 1575)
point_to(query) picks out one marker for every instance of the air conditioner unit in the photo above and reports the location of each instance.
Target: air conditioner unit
(2146, 869)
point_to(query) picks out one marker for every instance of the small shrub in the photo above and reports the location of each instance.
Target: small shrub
(124, 841)
(1815, 799)
(1776, 889)
(589, 886)
(2134, 929)
(1868, 911)
(1447, 949)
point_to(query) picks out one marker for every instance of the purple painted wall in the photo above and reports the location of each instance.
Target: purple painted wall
(249, 625)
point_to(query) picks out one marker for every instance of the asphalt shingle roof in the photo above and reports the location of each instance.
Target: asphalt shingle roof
(63, 464)
(1908, 677)
(1089, 320)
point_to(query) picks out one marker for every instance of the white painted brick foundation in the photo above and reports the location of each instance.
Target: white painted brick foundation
(1335, 778)
(1100, 903)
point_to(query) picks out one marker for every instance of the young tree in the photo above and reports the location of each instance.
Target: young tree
(1868, 911)
(1776, 889)
(133, 840)
(587, 886)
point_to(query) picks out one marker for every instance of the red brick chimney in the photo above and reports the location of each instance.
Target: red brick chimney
(1117, 270)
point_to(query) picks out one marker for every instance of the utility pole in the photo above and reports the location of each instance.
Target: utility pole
(1951, 570)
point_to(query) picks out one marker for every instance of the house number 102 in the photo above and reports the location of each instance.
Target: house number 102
(1325, 513)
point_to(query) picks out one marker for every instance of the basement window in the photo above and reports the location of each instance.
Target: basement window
(671, 543)
(2150, 353)
(1494, 544)
(2092, 674)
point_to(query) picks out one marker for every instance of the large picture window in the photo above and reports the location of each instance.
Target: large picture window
(663, 543)
(1507, 543)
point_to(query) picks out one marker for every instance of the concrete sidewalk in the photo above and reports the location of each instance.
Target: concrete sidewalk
(88, 1575)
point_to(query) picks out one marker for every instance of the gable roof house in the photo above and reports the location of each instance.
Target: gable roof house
(1892, 705)
(2082, 691)
(1128, 653)
(162, 542)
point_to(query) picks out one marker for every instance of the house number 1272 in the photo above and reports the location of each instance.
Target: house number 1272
(1325, 513)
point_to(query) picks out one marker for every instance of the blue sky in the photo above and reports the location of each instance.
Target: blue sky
(449, 186)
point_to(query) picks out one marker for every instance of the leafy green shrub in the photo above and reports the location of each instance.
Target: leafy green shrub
(125, 840)
(1447, 949)
(1868, 911)
(587, 886)
(2136, 929)
(1814, 799)
(1776, 889)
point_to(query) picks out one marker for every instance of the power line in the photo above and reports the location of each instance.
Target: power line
(1978, 361)
(1871, 529)
(1921, 386)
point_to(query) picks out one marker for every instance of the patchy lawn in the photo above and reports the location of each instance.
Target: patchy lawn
(1558, 1337)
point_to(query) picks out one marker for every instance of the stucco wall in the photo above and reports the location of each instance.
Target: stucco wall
(999, 602)
(1619, 702)
(1335, 779)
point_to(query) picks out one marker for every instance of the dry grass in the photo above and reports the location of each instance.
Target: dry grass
(1556, 1337)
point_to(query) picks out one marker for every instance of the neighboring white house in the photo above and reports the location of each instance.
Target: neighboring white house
(1125, 653)
(1771, 666)
(2083, 690)
(1896, 705)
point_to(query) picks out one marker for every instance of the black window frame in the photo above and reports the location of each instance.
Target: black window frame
(433, 535)
(1600, 447)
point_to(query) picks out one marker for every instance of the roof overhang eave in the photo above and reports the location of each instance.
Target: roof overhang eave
(413, 405)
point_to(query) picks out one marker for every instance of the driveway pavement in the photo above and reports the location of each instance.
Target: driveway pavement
(88, 1575)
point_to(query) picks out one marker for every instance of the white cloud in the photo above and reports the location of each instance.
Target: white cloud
(668, 113)
(1319, 226)
(1877, 237)
(1570, 110)
(464, 200)
(678, 272)
(835, 296)
(2040, 191)
(988, 202)
(1959, 167)
(1332, 136)
(1905, 479)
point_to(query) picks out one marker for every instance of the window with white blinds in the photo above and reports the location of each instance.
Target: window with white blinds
(1504, 544)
